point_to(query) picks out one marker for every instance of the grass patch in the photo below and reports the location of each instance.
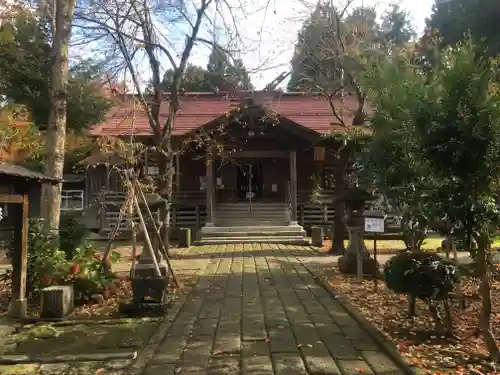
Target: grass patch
(390, 246)
(49, 340)
(430, 244)
(30, 369)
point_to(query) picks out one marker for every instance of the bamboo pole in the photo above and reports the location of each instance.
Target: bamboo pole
(146, 235)
(158, 235)
(134, 238)
(113, 235)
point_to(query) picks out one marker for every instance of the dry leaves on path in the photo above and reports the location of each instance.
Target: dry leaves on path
(414, 337)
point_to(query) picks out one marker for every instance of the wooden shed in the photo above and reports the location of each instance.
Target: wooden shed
(18, 187)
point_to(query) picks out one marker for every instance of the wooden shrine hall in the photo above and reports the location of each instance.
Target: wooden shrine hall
(270, 175)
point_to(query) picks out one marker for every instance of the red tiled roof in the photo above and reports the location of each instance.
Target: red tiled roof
(310, 111)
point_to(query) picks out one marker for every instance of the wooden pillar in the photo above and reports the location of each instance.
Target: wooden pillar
(198, 218)
(87, 188)
(318, 171)
(102, 210)
(209, 187)
(177, 172)
(108, 172)
(301, 215)
(293, 186)
(174, 217)
(18, 304)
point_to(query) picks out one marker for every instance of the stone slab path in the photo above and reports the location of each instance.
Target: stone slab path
(257, 310)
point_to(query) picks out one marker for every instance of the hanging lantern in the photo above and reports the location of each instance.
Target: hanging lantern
(319, 153)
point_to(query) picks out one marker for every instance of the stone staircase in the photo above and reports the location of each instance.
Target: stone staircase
(243, 214)
(257, 223)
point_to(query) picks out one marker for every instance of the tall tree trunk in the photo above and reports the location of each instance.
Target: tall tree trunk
(485, 292)
(166, 169)
(339, 228)
(56, 131)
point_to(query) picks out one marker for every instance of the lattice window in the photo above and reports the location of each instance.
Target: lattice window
(72, 200)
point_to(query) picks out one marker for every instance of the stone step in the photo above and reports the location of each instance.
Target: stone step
(253, 209)
(281, 233)
(244, 224)
(245, 233)
(291, 240)
(254, 203)
(253, 213)
(255, 229)
(251, 220)
(236, 210)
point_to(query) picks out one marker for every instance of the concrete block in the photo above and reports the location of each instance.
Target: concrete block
(317, 236)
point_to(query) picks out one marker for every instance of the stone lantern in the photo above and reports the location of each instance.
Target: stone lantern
(355, 200)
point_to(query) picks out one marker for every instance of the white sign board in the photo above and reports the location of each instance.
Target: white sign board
(374, 224)
(153, 171)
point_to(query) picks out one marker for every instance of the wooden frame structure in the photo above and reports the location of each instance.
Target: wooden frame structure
(18, 186)
(18, 302)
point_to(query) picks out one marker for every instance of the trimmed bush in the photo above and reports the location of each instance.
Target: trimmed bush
(420, 274)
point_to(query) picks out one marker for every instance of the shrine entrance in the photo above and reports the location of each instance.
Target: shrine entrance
(249, 181)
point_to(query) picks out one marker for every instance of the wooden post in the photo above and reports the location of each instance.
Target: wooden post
(177, 172)
(209, 186)
(375, 258)
(198, 217)
(174, 217)
(301, 214)
(102, 210)
(18, 304)
(87, 188)
(108, 172)
(359, 258)
(293, 186)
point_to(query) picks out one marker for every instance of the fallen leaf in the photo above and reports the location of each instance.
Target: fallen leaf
(415, 337)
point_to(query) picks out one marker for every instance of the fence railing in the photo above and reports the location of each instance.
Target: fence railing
(189, 209)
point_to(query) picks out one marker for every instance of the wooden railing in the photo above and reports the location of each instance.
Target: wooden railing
(189, 209)
(312, 215)
(323, 196)
(188, 216)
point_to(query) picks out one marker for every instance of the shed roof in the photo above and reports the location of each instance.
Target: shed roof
(21, 172)
(312, 111)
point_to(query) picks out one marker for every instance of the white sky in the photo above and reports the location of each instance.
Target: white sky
(268, 34)
(269, 53)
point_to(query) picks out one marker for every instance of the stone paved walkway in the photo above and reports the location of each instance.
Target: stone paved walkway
(257, 310)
